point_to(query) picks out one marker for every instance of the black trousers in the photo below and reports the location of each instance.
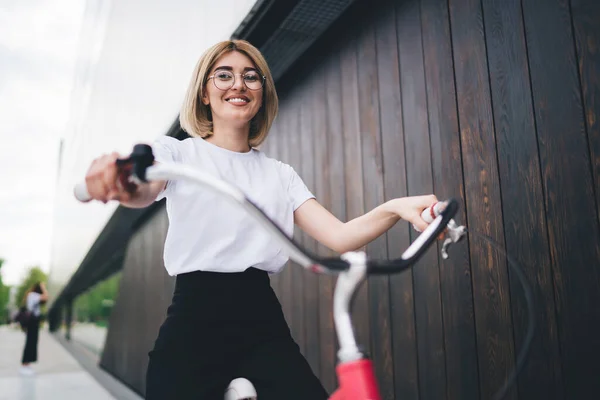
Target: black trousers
(31, 341)
(222, 326)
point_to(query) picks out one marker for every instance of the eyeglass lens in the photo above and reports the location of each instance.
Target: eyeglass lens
(225, 79)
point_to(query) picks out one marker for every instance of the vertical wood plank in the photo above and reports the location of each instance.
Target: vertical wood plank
(482, 189)
(311, 280)
(142, 301)
(297, 275)
(130, 360)
(285, 284)
(524, 221)
(336, 184)
(568, 188)
(353, 174)
(271, 149)
(428, 310)
(404, 339)
(142, 347)
(586, 14)
(322, 164)
(455, 273)
(286, 276)
(374, 196)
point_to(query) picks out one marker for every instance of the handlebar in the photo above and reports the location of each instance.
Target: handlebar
(139, 168)
(352, 267)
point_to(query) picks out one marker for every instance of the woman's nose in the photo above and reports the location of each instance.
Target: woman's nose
(238, 83)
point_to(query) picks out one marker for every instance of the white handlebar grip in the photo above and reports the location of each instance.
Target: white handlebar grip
(431, 213)
(81, 193)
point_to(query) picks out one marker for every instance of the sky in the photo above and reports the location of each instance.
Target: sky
(38, 42)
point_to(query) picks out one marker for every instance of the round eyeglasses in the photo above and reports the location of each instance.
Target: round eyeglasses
(224, 80)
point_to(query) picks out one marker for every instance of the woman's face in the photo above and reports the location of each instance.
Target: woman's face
(236, 105)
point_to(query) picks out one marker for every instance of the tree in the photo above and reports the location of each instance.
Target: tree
(96, 304)
(4, 297)
(34, 276)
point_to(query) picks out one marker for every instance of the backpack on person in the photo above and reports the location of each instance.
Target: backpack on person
(23, 317)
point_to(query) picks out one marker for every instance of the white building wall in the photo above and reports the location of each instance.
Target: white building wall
(135, 60)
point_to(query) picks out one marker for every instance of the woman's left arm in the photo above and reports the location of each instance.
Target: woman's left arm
(44, 296)
(341, 237)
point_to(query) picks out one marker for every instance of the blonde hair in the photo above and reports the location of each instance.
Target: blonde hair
(195, 117)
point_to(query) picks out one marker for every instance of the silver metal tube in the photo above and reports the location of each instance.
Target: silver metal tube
(347, 283)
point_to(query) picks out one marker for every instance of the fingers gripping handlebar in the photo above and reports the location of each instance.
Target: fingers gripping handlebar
(455, 232)
(132, 171)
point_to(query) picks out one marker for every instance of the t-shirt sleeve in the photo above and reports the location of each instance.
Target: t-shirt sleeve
(166, 150)
(33, 299)
(297, 189)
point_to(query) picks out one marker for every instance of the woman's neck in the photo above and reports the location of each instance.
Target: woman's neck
(231, 138)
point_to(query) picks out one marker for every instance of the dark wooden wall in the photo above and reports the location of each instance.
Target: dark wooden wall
(496, 103)
(145, 293)
(493, 102)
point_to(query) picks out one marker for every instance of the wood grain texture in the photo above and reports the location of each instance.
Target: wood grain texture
(585, 15)
(524, 221)
(568, 190)
(286, 299)
(322, 165)
(144, 295)
(462, 374)
(296, 272)
(404, 338)
(337, 187)
(483, 197)
(353, 173)
(311, 281)
(426, 279)
(372, 163)
(271, 147)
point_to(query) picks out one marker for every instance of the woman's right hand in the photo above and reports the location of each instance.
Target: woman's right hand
(104, 180)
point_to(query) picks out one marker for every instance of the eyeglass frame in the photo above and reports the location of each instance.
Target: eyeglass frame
(264, 78)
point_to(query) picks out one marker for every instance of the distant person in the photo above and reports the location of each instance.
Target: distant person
(33, 300)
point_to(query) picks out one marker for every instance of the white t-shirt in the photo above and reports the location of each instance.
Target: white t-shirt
(33, 303)
(209, 233)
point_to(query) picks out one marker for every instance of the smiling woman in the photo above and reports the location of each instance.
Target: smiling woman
(225, 320)
(221, 65)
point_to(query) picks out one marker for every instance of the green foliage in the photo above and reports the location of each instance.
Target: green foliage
(4, 298)
(34, 276)
(96, 304)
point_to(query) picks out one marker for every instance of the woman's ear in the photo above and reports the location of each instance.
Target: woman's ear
(204, 98)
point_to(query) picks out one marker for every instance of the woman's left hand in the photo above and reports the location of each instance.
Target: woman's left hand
(410, 209)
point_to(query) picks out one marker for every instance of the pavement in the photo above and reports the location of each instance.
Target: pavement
(62, 371)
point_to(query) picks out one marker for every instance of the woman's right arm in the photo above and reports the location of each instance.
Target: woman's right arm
(102, 181)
